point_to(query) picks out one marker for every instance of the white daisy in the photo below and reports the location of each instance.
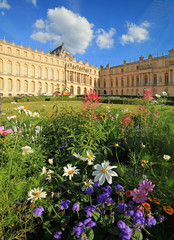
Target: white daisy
(70, 171)
(44, 171)
(27, 150)
(166, 157)
(104, 172)
(35, 194)
(87, 184)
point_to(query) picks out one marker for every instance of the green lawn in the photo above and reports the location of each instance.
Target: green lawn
(46, 108)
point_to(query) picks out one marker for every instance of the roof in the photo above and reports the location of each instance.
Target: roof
(60, 49)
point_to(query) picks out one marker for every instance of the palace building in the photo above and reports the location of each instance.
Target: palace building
(32, 72)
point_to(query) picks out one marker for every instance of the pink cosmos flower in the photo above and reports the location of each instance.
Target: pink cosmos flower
(146, 186)
(91, 99)
(6, 132)
(139, 196)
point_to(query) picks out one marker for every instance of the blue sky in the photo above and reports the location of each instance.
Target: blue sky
(101, 32)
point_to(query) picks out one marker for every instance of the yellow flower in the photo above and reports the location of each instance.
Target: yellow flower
(116, 145)
(103, 115)
(143, 146)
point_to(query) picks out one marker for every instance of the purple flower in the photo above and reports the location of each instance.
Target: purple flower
(121, 225)
(151, 221)
(96, 184)
(119, 188)
(161, 218)
(146, 186)
(122, 206)
(64, 204)
(57, 235)
(86, 221)
(79, 229)
(89, 191)
(107, 190)
(89, 209)
(101, 198)
(92, 224)
(131, 205)
(76, 207)
(139, 195)
(38, 211)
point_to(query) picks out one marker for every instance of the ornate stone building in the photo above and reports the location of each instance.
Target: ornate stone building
(28, 71)
(156, 74)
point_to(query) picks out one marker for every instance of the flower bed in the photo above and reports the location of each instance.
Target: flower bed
(101, 174)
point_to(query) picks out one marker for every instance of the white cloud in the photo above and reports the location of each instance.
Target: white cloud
(104, 39)
(62, 25)
(39, 23)
(136, 33)
(2, 13)
(4, 4)
(34, 2)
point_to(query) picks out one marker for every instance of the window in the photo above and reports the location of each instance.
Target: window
(111, 83)
(166, 79)
(90, 80)
(122, 82)
(18, 85)
(132, 81)
(78, 77)
(111, 92)
(137, 80)
(25, 70)
(104, 82)
(39, 72)
(78, 90)
(33, 86)
(9, 84)
(25, 86)
(52, 74)
(155, 79)
(46, 88)
(85, 90)
(128, 81)
(57, 75)
(145, 79)
(9, 68)
(17, 69)
(32, 71)
(116, 82)
(52, 87)
(122, 70)
(39, 87)
(72, 90)
(46, 73)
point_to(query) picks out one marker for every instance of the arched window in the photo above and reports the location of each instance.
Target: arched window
(78, 90)
(52, 87)
(166, 79)
(25, 86)
(25, 70)
(128, 81)
(39, 72)
(91, 81)
(104, 92)
(72, 90)
(137, 80)
(104, 82)
(46, 88)
(116, 82)
(39, 87)
(9, 84)
(17, 68)
(18, 85)
(52, 74)
(95, 83)
(1, 83)
(9, 67)
(132, 81)
(155, 79)
(1, 65)
(122, 82)
(33, 86)
(32, 71)
(46, 74)
(85, 90)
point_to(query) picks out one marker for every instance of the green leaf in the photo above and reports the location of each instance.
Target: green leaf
(90, 233)
(113, 230)
(95, 215)
(137, 235)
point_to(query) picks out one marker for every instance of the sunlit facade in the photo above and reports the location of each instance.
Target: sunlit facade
(29, 71)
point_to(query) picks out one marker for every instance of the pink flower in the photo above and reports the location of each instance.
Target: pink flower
(139, 196)
(6, 132)
(91, 99)
(146, 186)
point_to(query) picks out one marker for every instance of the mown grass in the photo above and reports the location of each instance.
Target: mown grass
(46, 108)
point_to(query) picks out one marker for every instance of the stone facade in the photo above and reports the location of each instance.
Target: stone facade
(28, 71)
(156, 74)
